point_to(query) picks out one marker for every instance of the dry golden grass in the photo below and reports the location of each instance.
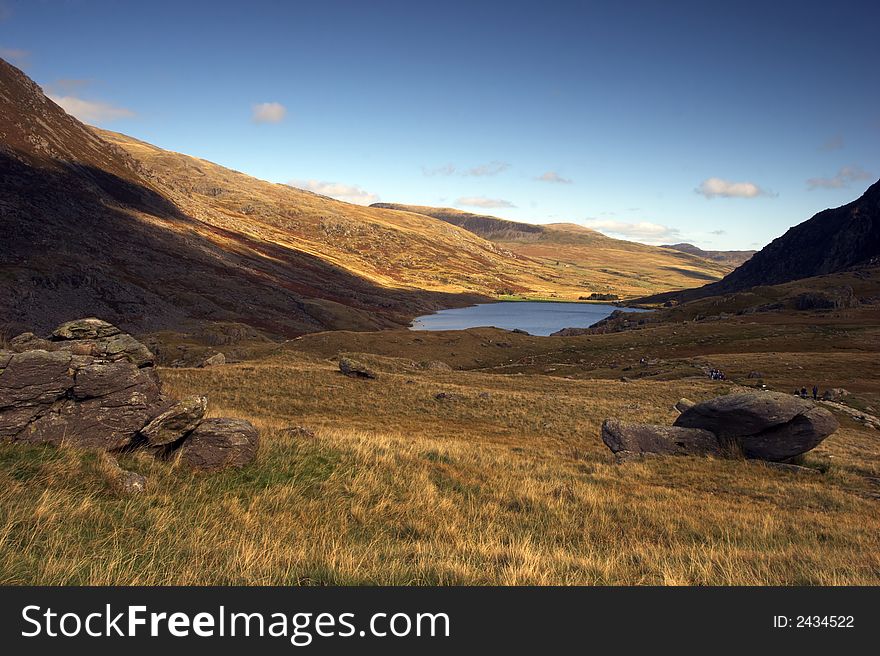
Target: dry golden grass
(406, 250)
(398, 487)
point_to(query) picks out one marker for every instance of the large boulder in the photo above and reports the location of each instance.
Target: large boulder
(219, 443)
(94, 386)
(181, 418)
(83, 392)
(626, 438)
(107, 404)
(767, 425)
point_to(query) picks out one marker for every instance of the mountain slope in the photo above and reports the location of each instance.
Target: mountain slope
(831, 241)
(90, 230)
(601, 263)
(732, 258)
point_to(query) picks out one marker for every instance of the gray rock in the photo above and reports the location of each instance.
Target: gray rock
(90, 328)
(632, 438)
(220, 443)
(181, 418)
(122, 480)
(29, 342)
(109, 421)
(214, 360)
(835, 394)
(355, 369)
(765, 425)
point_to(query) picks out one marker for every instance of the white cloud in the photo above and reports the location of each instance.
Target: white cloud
(492, 168)
(652, 233)
(271, 112)
(482, 201)
(91, 111)
(715, 187)
(844, 177)
(718, 232)
(553, 176)
(338, 190)
(15, 55)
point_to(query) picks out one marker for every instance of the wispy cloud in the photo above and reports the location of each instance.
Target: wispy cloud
(833, 143)
(484, 170)
(718, 232)
(446, 169)
(270, 112)
(482, 201)
(91, 111)
(645, 231)
(553, 176)
(340, 191)
(845, 176)
(480, 171)
(718, 187)
(14, 55)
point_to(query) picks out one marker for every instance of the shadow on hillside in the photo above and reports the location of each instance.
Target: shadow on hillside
(73, 247)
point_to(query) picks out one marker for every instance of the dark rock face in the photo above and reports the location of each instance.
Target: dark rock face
(219, 443)
(631, 438)
(95, 387)
(766, 425)
(831, 241)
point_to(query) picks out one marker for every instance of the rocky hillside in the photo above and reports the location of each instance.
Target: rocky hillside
(731, 258)
(602, 264)
(832, 241)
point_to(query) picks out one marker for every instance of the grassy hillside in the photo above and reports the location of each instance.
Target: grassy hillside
(600, 263)
(503, 481)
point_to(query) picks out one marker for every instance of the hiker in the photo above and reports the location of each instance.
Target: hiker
(803, 392)
(815, 393)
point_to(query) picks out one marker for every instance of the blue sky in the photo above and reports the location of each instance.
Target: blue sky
(717, 123)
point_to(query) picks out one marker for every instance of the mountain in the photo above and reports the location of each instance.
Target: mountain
(98, 223)
(731, 258)
(831, 241)
(603, 264)
(89, 229)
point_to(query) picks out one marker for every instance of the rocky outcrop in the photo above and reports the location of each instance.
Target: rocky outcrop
(92, 386)
(625, 439)
(762, 425)
(355, 369)
(219, 443)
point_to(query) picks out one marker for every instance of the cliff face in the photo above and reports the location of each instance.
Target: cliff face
(831, 241)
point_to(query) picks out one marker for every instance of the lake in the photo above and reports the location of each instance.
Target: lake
(535, 317)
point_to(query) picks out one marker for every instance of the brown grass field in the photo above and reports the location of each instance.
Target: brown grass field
(505, 482)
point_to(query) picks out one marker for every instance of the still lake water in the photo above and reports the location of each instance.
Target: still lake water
(535, 317)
